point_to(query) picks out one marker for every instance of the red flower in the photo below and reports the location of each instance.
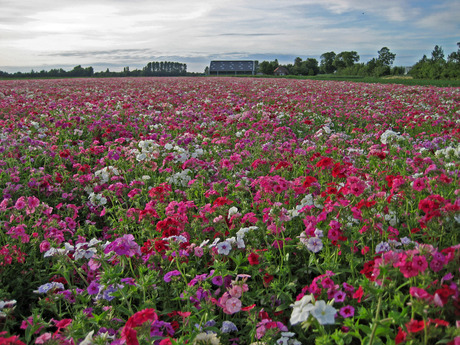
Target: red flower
(324, 163)
(267, 279)
(358, 294)
(414, 326)
(64, 153)
(309, 180)
(130, 335)
(63, 323)
(339, 170)
(439, 322)
(141, 316)
(222, 201)
(249, 307)
(444, 294)
(161, 246)
(283, 164)
(426, 205)
(253, 259)
(400, 337)
(13, 340)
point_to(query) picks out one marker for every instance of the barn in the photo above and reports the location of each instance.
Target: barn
(233, 67)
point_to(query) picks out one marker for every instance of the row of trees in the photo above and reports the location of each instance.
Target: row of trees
(161, 68)
(437, 67)
(346, 63)
(342, 63)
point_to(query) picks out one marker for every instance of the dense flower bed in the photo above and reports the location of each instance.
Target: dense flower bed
(231, 211)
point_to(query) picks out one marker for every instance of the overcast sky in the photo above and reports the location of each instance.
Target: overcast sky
(45, 34)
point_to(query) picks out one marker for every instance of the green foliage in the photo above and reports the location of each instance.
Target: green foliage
(437, 67)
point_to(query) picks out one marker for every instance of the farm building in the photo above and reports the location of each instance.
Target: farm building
(281, 71)
(233, 67)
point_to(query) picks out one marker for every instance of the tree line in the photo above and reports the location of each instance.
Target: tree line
(155, 68)
(346, 63)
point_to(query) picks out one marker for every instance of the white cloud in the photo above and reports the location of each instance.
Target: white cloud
(93, 31)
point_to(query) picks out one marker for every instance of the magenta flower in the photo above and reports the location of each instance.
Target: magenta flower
(419, 262)
(124, 246)
(347, 311)
(217, 280)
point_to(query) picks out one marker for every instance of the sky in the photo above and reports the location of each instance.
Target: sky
(46, 34)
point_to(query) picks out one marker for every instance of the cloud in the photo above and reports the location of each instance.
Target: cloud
(138, 31)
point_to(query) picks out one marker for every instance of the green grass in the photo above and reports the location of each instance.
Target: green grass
(384, 80)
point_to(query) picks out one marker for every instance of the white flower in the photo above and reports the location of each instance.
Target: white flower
(141, 157)
(224, 248)
(301, 309)
(88, 339)
(231, 211)
(388, 135)
(240, 243)
(324, 313)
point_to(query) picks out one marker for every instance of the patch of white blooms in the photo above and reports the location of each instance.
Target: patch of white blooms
(323, 312)
(388, 136)
(103, 175)
(308, 200)
(287, 340)
(181, 178)
(391, 218)
(448, 152)
(149, 150)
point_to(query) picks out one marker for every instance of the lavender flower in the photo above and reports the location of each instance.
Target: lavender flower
(314, 244)
(228, 327)
(49, 286)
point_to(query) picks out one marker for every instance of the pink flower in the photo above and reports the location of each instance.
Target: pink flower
(236, 291)
(43, 338)
(347, 311)
(419, 262)
(408, 269)
(419, 184)
(20, 203)
(420, 294)
(233, 305)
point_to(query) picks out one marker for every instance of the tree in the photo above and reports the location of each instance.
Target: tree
(268, 67)
(297, 68)
(327, 62)
(437, 54)
(345, 59)
(385, 58)
(310, 67)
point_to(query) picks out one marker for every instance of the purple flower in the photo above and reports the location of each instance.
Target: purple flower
(167, 277)
(347, 311)
(124, 246)
(93, 288)
(128, 281)
(107, 294)
(217, 280)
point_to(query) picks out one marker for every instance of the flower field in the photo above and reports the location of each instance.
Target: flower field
(228, 211)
